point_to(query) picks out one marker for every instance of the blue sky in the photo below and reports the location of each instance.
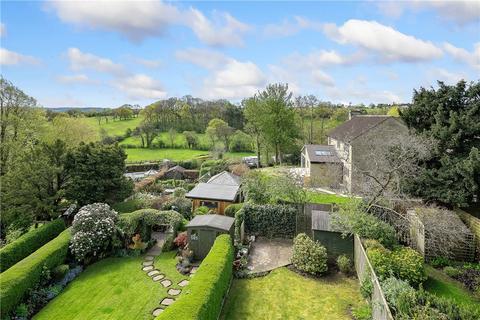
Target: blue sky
(107, 53)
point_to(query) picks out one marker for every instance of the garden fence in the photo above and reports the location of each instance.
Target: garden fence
(380, 309)
(397, 220)
(474, 224)
(304, 217)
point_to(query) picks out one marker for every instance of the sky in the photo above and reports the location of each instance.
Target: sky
(107, 53)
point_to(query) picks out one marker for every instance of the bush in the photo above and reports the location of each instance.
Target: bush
(213, 167)
(93, 229)
(409, 266)
(28, 243)
(440, 262)
(451, 271)
(232, 209)
(201, 210)
(179, 204)
(366, 286)
(401, 297)
(308, 255)
(60, 271)
(241, 142)
(202, 298)
(270, 220)
(181, 240)
(169, 243)
(179, 192)
(239, 218)
(26, 274)
(344, 264)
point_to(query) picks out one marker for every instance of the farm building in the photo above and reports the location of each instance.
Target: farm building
(204, 229)
(218, 193)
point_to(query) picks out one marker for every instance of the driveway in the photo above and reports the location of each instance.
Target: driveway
(269, 254)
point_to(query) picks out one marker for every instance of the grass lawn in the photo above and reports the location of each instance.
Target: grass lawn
(113, 288)
(114, 127)
(441, 285)
(284, 294)
(142, 154)
(317, 197)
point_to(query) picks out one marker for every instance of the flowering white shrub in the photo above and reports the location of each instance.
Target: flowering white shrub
(92, 230)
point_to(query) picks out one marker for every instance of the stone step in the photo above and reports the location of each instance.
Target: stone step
(183, 283)
(159, 277)
(174, 292)
(153, 273)
(149, 268)
(167, 301)
(147, 263)
(157, 312)
(149, 258)
(166, 283)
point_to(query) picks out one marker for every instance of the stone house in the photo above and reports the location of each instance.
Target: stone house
(351, 143)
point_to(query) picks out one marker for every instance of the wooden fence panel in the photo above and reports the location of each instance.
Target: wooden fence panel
(380, 309)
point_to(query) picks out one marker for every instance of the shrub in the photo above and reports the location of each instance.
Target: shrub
(213, 167)
(179, 192)
(241, 142)
(179, 204)
(239, 218)
(60, 271)
(451, 271)
(142, 221)
(344, 264)
(202, 298)
(93, 228)
(440, 262)
(232, 209)
(270, 220)
(401, 297)
(366, 286)
(169, 243)
(408, 265)
(381, 260)
(308, 255)
(29, 242)
(201, 210)
(26, 274)
(181, 240)
(372, 244)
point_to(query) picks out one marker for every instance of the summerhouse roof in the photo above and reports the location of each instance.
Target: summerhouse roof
(212, 220)
(225, 178)
(213, 191)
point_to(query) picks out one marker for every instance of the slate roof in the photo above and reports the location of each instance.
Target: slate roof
(213, 191)
(212, 220)
(176, 168)
(357, 126)
(317, 153)
(225, 178)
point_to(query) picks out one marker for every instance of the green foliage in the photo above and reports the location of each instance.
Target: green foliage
(179, 204)
(362, 313)
(440, 262)
(232, 209)
(403, 263)
(450, 116)
(60, 271)
(96, 174)
(141, 221)
(401, 297)
(308, 255)
(366, 286)
(201, 210)
(239, 219)
(29, 242)
(344, 264)
(270, 220)
(241, 142)
(26, 274)
(213, 167)
(202, 298)
(451, 271)
(352, 218)
(168, 243)
(219, 129)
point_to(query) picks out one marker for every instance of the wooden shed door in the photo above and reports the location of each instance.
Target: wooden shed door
(207, 238)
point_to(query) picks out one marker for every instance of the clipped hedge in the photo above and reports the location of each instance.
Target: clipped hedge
(142, 220)
(24, 275)
(28, 243)
(202, 298)
(232, 209)
(270, 220)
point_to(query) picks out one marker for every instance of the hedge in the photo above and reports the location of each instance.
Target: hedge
(270, 220)
(142, 220)
(232, 209)
(202, 298)
(28, 243)
(26, 274)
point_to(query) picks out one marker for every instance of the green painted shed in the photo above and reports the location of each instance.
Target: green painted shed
(204, 229)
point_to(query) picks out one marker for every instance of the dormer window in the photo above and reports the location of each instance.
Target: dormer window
(323, 153)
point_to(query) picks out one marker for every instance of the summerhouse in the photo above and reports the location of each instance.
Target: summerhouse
(204, 229)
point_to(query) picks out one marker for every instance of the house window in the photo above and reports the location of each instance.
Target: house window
(323, 153)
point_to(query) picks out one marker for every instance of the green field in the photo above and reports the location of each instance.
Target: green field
(113, 288)
(441, 285)
(317, 197)
(179, 141)
(284, 294)
(114, 127)
(141, 154)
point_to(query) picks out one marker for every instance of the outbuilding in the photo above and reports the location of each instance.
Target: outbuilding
(204, 229)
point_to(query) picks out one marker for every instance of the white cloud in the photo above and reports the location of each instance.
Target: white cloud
(82, 61)
(3, 30)
(149, 63)
(204, 58)
(75, 78)
(8, 57)
(289, 28)
(321, 77)
(354, 94)
(138, 20)
(140, 86)
(320, 58)
(388, 43)
(440, 74)
(461, 12)
(470, 58)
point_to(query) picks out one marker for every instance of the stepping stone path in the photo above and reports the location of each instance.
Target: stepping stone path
(183, 283)
(193, 270)
(174, 292)
(149, 267)
(167, 301)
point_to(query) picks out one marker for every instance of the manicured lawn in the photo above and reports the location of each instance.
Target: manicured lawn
(114, 127)
(284, 294)
(114, 288)
(142, 154)
(317, 197)
(441, 285)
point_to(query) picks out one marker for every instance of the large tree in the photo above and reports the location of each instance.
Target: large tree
(95, 174)
(219, 129)
(451, 116)
(251, 109)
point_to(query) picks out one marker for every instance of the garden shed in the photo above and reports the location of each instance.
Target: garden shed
(204, 229)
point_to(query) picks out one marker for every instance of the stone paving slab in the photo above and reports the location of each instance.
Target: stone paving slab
(153, 273)
(147, 263)
(157, 312)
(269, 254)
(159, 277)
(149, 258)
(149, 268)
(183, 283)
(193, 270)
(166, 283)
(174, 292)
(167, 301)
